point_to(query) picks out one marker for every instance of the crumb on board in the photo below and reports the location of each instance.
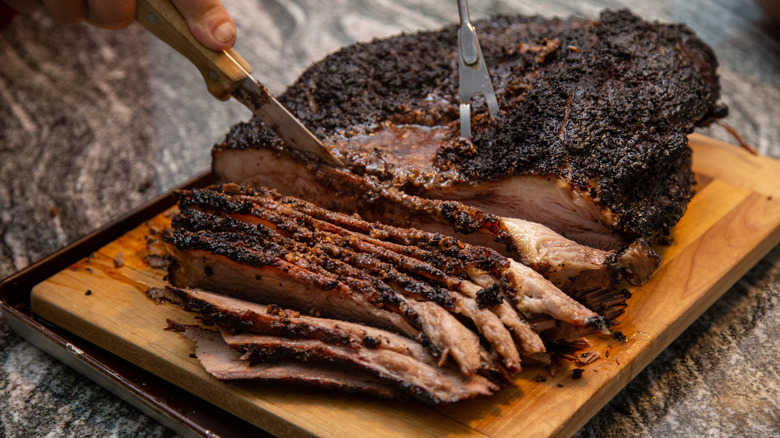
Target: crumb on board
(119, 260)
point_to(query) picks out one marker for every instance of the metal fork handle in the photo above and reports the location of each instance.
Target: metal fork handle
(473, 77)
(469, 48)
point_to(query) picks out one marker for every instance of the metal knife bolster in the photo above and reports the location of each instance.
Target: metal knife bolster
(265, 107)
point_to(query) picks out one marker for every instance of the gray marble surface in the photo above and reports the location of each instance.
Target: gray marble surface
(94, 122)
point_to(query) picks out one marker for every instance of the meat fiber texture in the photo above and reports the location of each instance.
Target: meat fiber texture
(458, 318)
(590, 139)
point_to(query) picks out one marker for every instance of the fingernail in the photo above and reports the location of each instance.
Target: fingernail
(225, 32)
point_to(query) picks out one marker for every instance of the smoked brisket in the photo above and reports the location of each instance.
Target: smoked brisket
(431, 266)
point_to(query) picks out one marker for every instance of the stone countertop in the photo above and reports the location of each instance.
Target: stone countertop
(93, 123)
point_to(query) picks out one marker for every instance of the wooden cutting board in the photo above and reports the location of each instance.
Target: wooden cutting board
(731, 223)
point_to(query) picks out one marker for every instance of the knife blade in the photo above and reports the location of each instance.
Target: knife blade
(228, 75)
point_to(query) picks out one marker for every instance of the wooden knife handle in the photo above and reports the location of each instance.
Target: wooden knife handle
(222, 75)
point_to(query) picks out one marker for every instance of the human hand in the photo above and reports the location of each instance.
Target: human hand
(208, 20)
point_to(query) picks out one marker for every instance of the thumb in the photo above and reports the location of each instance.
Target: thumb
(209, 22)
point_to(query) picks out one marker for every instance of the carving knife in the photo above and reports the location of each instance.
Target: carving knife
(227, 75)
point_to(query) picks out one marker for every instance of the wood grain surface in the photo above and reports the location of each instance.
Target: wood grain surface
(732, 222)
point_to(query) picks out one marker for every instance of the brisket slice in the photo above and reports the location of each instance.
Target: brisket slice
(240, 316)
(224, 363)
(429, 383)
(590, 140)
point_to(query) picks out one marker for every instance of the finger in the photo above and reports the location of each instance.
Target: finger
(111, 14)
(25, 6)
(67, 11)
(209, 22)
